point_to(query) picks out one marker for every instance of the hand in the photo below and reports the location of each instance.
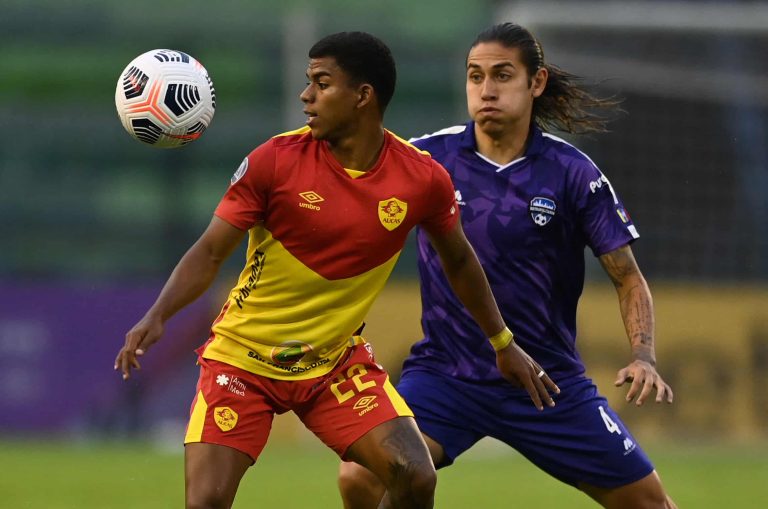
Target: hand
(521, 370)
(644, 378)
(143, 335)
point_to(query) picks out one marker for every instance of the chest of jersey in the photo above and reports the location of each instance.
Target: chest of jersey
(337, 225)
(521, 209)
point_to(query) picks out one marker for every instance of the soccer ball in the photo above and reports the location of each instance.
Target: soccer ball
(165, 98)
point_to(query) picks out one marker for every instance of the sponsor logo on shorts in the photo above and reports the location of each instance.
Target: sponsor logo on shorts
(233, 384)
(365, 405)
(629, 446)
(225, 418)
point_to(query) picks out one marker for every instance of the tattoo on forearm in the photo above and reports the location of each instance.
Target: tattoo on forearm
(634, 301)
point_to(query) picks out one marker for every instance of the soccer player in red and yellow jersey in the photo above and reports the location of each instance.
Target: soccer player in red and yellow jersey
(327, 209)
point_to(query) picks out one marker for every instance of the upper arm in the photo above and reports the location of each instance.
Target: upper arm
(452, 246)
(245, 201)
(620, 264)
(219, 240)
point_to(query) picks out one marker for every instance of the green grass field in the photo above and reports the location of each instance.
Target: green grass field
(57, 476)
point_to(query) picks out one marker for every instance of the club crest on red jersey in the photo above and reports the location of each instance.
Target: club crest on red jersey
(392, 213)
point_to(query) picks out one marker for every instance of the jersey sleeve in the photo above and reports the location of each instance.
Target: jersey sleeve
(442, 213)
(603, 218)
(244, 204)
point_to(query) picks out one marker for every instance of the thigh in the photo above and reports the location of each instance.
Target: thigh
(353, 399)
(212, 474)
(580, 441)
(647, 492)
(391, 447)
(231, 408)
(445, 412)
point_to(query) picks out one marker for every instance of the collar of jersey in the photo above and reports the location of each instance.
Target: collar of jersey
(469, 142)
(338, 168)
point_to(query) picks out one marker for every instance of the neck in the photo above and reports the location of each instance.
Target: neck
(505, 146)
(360, 150)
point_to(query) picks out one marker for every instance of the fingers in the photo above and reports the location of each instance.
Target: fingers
(550, 384)
(126, 359)
(533, 391)
(647, 388)
(520, 369)
(621, 377)
(643, 384)
(663, 392)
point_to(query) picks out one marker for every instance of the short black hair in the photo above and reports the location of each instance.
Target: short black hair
(365, 58)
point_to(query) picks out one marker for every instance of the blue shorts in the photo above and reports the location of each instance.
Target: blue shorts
(580, 440)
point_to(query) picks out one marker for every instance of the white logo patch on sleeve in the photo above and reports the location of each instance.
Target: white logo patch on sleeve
(240, 171)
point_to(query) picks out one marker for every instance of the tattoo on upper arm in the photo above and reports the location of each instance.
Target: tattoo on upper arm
(618, 264)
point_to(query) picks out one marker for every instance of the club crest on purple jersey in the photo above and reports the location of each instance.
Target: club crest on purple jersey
(542, 210)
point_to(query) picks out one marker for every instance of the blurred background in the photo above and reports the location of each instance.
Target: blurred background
(92, 222)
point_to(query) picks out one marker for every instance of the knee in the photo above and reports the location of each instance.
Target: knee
(418, 479)
(359, 487)
(202, 499)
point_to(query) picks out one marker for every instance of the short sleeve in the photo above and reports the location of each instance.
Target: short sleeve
(442, 213)
(245, 202)
(603, 219)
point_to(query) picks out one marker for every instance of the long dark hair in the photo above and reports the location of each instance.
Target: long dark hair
(565, 105)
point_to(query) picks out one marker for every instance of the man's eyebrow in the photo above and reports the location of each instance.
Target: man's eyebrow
(318, 74)
(494, 66)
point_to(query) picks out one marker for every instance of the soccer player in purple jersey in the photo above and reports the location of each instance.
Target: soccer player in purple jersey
(530, 204)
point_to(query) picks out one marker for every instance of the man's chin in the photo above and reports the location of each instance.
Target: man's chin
(490, 126)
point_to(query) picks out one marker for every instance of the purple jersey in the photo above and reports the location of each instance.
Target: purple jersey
(529, 222)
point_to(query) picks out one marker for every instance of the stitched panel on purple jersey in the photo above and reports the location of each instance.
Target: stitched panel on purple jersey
(529, 222)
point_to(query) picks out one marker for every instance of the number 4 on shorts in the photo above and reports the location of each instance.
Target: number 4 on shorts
(611, 426)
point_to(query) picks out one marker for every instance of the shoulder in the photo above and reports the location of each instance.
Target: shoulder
(576, 163)
(299, 136)
(410, 153)
(442, 141)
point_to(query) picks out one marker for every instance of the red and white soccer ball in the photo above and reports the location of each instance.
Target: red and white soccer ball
(165, 98)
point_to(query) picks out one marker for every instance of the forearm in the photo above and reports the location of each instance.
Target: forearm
(471, 287)
(636, 305)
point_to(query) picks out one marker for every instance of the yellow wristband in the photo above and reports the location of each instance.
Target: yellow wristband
(502, 339)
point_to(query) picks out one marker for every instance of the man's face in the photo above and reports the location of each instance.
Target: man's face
(330, 102)
(500, 92)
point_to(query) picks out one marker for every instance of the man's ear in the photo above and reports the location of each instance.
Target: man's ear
(365, 94)
(539, 82)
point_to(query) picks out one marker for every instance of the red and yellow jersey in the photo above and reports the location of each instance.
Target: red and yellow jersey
(321, 246)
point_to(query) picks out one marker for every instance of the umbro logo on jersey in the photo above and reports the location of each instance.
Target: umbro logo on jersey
(310, 198)
(459, 198)
(542, 210)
